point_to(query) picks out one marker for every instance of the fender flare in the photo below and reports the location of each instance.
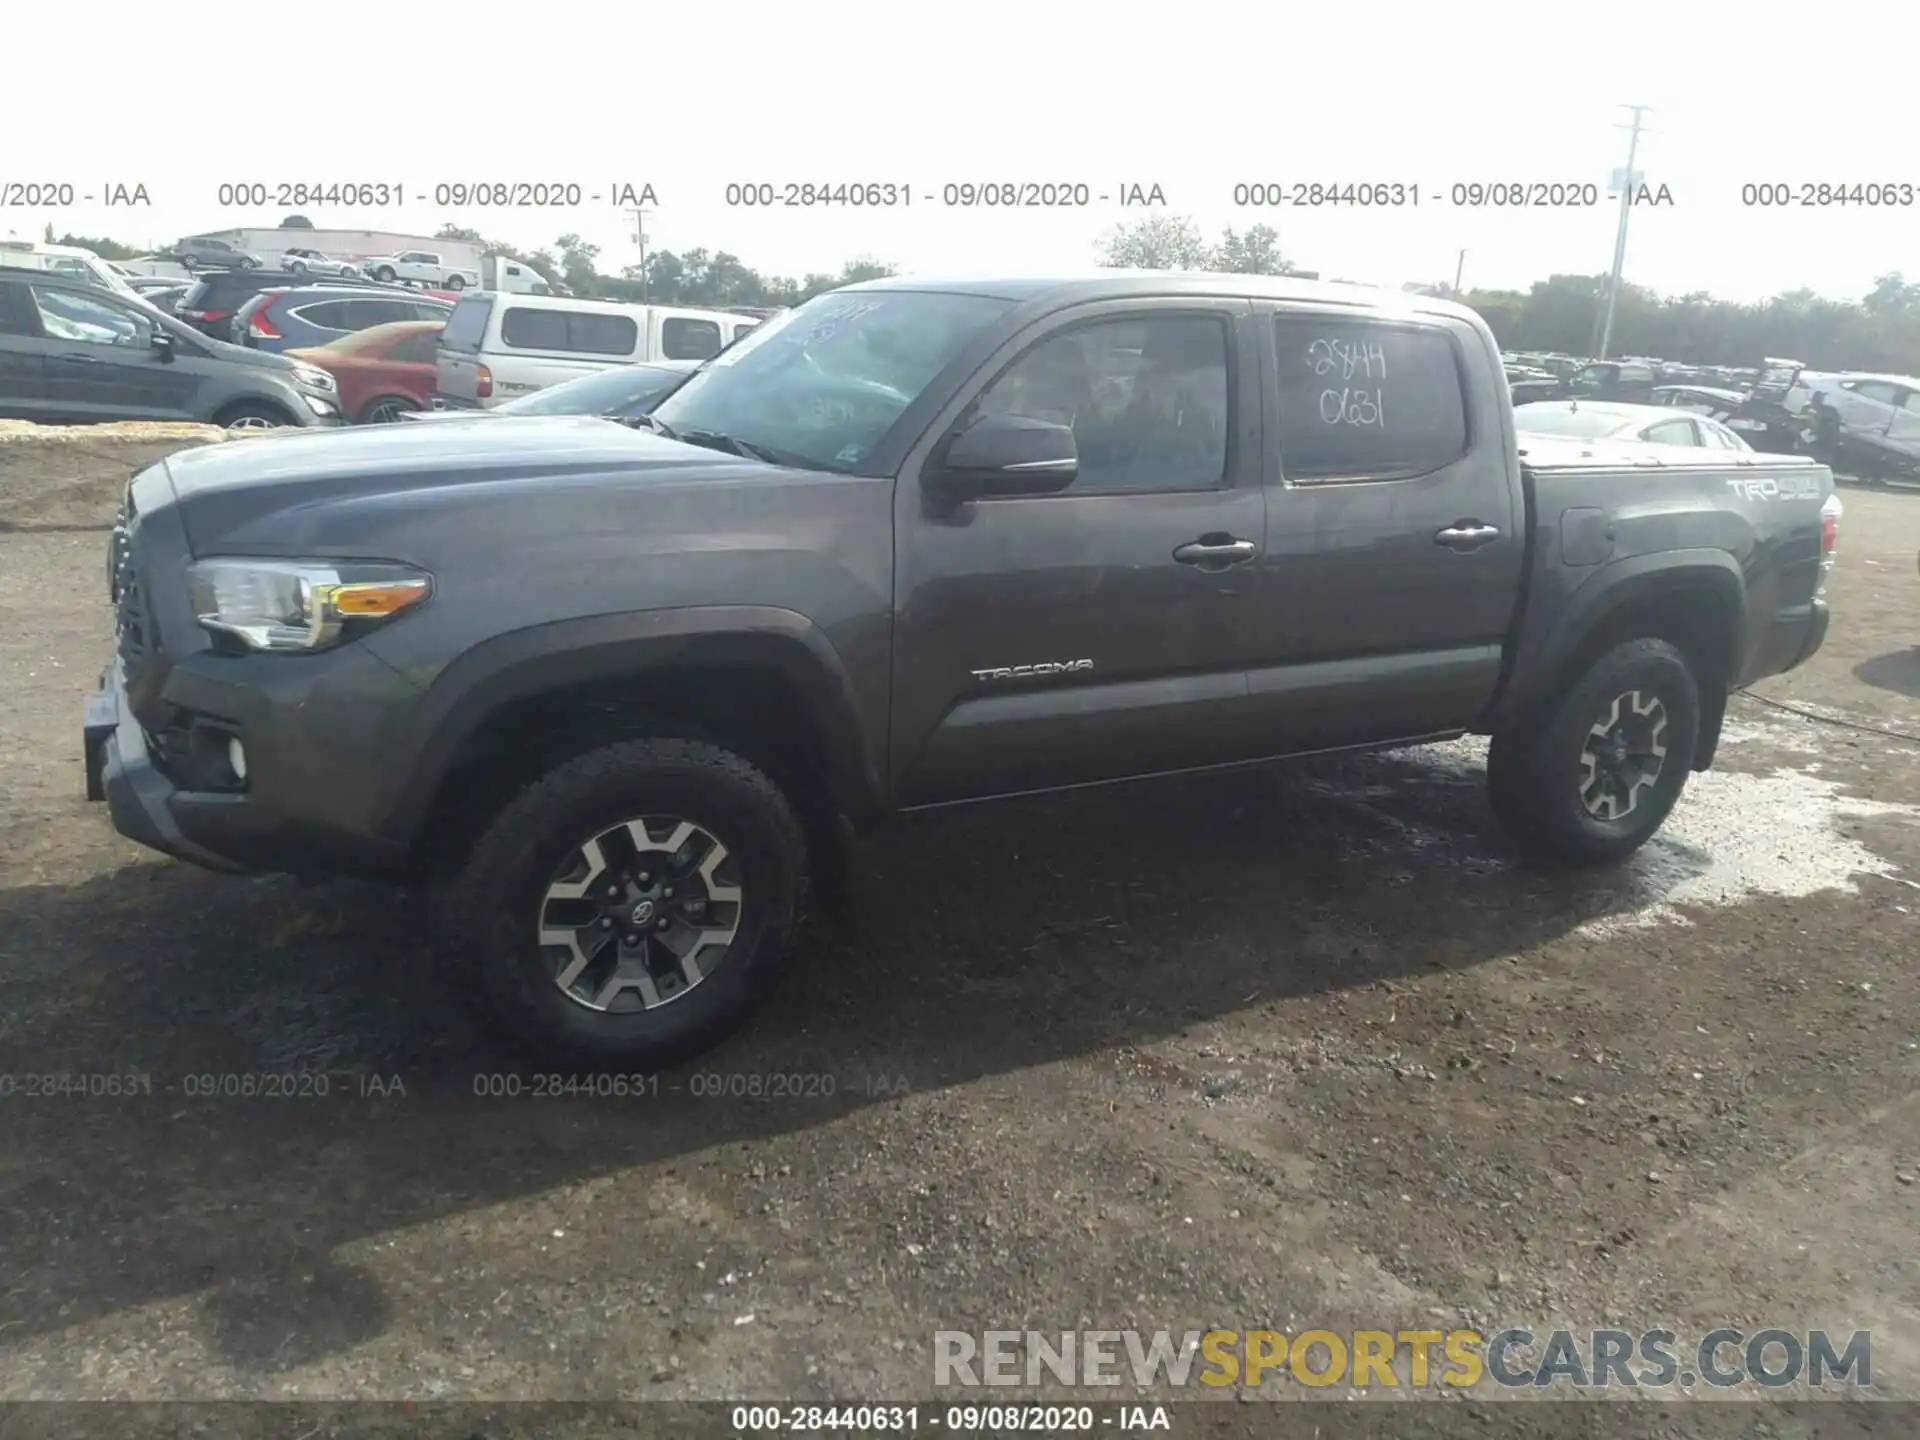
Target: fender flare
(469, 691)
(1615, 585)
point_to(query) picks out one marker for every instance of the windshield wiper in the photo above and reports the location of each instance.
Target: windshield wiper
(659, 427)
(714, 440)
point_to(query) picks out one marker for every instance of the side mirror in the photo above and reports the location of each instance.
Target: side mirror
(163, 346)
(1007, 455)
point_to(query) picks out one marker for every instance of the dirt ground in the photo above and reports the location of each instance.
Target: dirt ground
(1288, 1049)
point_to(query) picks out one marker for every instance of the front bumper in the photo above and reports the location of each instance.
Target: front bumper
(121, 772)
(281, 823)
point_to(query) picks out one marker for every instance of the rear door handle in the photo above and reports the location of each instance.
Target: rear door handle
(1464, 535)
(1216, 552)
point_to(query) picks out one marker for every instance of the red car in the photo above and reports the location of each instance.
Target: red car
(381, 371)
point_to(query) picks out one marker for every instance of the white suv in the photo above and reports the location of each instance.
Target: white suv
(497, 347)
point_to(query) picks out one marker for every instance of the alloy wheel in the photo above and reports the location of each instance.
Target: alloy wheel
(640, 914)
(1625, 752)
(252, 422)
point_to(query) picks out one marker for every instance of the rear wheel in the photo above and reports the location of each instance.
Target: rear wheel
(387, 410)
(298, 267)
(632, 906)
(384, 272)
(1592, 778)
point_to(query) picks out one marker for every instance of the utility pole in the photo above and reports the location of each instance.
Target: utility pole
(1459, 269)
(640, 239)
(1620, 239)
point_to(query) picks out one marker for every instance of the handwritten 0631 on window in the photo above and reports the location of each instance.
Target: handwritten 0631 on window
(1361, 399)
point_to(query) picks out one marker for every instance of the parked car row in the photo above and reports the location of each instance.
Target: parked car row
(74, 352)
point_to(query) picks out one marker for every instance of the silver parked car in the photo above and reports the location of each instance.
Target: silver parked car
(1616, 420)
(296, 261)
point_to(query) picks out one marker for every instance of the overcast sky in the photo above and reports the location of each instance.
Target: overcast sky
(1195, 98)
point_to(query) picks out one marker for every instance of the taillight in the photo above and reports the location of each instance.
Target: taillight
(482, 382)
(1830, 514)
(262, 328)
(208, 315)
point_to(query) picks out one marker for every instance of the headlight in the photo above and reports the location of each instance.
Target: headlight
(314, 376)
(290, 606)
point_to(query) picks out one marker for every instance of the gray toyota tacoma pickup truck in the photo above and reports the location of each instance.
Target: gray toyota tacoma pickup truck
(619, 697)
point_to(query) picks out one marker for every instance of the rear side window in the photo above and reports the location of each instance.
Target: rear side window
(685, 339)
(415, 349)
(580, 332)
(16, 311)
(467, 325)
(1367, 399)
(327, 314)
(1671, 432)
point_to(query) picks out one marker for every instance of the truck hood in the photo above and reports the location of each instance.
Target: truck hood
(282, 494)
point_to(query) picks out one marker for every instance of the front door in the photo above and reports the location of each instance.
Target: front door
(101, 363)
(1903, 432)
(1100, 632)
(23, 394)
(1395, 530)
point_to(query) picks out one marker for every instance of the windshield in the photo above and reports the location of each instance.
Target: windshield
(824, 383)
(624, 388)
(1565, 420)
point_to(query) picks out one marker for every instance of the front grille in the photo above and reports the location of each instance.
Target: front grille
(132, 619)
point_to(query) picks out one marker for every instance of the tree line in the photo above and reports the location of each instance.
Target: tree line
(1878, 331)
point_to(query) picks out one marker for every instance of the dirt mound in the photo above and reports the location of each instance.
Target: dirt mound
(64, 477)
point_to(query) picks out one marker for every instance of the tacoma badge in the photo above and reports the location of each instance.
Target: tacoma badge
(1045, 667)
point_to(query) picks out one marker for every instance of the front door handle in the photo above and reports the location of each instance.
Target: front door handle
(1464, 535)
(80, 359)
(1216, 552)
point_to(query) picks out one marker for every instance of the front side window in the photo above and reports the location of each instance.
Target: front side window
(822, 384)
(1592, 380)
(682, 338)
(1146, 400)
(67, 316)
(1368, 399)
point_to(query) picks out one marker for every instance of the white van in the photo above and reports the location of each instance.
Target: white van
(65, 260)
(497, 347)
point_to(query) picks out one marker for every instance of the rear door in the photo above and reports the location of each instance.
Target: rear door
(23, 392)
(458, 366)
(1395, 529)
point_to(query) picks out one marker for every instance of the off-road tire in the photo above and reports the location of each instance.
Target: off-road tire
(1535, 770)
(486, 914)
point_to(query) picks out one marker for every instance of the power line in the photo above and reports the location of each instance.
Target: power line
(640, 214)
(1620, 238)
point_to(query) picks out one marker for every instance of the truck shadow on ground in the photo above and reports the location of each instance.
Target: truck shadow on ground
(978, 944)
(1897, 670)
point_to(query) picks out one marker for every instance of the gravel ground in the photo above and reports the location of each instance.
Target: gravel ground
(1307, 1047)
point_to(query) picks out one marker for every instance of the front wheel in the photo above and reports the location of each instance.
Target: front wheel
(454, 282)
(387, 410)
(1593, 777)
(631, 907)
(248, 417)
